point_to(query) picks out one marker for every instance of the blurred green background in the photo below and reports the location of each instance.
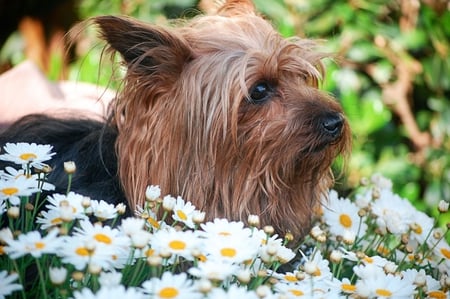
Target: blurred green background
(391, 73)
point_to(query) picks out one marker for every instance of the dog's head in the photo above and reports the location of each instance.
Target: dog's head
(227, 113)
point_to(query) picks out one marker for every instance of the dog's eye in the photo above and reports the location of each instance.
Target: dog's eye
(260, 92)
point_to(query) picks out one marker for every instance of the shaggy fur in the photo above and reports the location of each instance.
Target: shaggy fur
(221, 110)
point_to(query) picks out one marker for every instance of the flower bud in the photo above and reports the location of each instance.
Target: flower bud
(168, 203)
(152, 193)
(13, 212)
(269, 230)
(336, 256)
(70, 167)
(443, 206)
(253, 220)
(58, 275)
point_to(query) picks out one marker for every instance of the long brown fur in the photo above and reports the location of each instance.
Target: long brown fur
(185, 121)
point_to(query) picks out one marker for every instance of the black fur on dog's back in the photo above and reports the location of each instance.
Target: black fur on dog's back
(89, 143)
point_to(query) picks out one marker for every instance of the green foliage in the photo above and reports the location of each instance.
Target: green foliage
(374, 42)
(377, 42)
(391, 73)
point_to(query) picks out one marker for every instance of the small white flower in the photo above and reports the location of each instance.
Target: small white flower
(233, 291)
(34, 244)
(225, 228)
(174, 286)
(70, 167)
(341, 215)
(57, 275)
(169, 202)
(232, 250)
(179, 243)
(25, 153)
(103, 210)
(152, 193)
(73, 201)
(183, 212)
(214, 270)
(110, 279)
(13, 189)
(117, 292)
(6, 284)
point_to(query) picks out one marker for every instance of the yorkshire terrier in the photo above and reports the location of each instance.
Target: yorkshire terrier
(221, 110)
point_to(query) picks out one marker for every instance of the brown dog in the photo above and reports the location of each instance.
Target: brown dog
(226, 113)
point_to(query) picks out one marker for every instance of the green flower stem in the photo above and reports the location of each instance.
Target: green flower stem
(69, 182)
(41, 279)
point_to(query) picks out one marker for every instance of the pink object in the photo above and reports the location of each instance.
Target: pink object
(25, 90)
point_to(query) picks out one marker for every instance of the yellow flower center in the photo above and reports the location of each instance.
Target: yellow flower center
(225, 234)
(10, 191)
(2, 250)
(445, 252)
(27, 156)
(149, 252)
(102, 238)
(297, 293)
(177, 245)
(317, 272)
(181, 215)
(345, 220)
(437, 295)
(383, 292)
(168, 292)
(290, 278)
(349, 288)
(56, 220)
(153, 222)
(82, 251)
(417, 229)
(228, 252)
(368, 260)
(39, 245)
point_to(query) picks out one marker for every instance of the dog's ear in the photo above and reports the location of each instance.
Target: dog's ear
(146, 49)
(228, 8)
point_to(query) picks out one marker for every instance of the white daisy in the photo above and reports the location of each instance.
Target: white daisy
(341, 215)
(27, 154)
(74, 200)
(12, 173)
(394, 212)
(232, 292)
(174, 286)
(385, 286)
(183, 212)
(110, 279)
(294, 290)
(105, 238)
(6, 284)
(57, 275)
(116, 292)
(177, 243)
(214, 270)
(13, 189)
(49, 219)
(79, 252)
(421, 226)
(152, 192)
(34, 244)
(233, 250)
(223, 227)
(102, 210)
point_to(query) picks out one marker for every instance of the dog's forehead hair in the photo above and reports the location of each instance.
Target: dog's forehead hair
(250, 40)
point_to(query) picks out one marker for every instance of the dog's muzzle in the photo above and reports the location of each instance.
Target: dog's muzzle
(332, 125)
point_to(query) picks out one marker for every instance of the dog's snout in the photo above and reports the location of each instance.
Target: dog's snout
(332, 124)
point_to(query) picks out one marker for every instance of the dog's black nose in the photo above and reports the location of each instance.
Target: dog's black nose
(332, 124)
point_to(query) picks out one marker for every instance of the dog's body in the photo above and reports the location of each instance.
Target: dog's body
(222, 111)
